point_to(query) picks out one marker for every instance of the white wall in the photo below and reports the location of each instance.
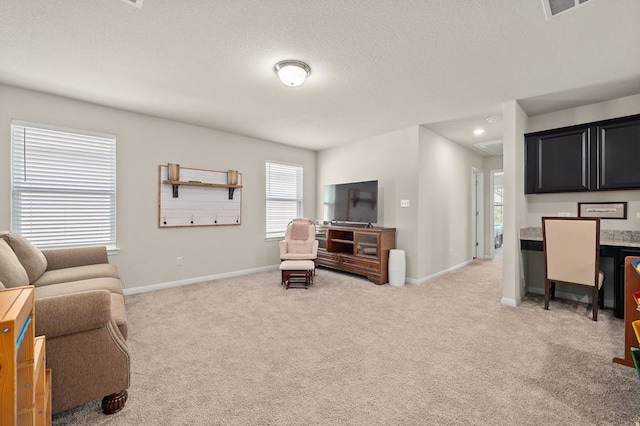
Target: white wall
(148, 254)
(392, 160)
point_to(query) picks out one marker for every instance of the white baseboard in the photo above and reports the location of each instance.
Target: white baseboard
(188, 281)
(438, 274)
(160, 286)
(509, 302)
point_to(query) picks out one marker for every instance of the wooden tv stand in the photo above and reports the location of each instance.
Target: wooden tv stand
(362, 251)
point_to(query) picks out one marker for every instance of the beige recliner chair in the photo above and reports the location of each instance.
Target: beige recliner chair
(299, 241)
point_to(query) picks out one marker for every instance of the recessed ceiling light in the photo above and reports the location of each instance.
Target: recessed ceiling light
(493, 119)
(478, 132)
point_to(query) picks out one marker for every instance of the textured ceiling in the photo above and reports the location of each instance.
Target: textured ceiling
(377, 66)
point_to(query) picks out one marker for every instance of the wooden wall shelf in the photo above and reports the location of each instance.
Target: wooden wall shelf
(199, 197)
(192, 183)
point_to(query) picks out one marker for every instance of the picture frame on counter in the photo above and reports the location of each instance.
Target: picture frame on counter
(609, 210)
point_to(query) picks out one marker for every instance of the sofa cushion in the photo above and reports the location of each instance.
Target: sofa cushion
(32, 259)
(71, 257)
(12, 273)
(78, 273)
(112, 285)
(299, 246)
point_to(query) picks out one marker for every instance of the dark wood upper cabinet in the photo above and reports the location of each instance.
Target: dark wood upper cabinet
(558, 161)
(619, 154)
(604, 155)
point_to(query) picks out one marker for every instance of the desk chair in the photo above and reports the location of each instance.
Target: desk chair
(572, 256)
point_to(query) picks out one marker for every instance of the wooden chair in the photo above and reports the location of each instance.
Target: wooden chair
(572, 256)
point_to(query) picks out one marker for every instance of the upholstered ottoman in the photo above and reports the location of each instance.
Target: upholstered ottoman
(297, 273)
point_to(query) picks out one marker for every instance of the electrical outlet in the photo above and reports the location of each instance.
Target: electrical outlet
(179, 261)
(638, 215)
(405, 203)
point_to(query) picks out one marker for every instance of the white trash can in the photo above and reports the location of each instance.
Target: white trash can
(397, 267)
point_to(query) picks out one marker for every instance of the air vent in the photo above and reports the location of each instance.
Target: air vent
(493, 148)
(556, 7)
(136, 3)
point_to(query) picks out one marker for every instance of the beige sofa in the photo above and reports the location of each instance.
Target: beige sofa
(80, 310)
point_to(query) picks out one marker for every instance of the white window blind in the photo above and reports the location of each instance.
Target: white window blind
(63, 186)
(284, 196)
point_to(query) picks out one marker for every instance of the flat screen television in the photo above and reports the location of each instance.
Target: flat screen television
(351, 203)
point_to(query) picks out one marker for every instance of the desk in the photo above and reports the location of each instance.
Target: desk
(614, 244)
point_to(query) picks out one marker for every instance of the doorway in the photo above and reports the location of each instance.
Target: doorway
(477, 216)
(497, 210)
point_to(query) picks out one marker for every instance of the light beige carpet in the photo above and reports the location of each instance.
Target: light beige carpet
(244, 351)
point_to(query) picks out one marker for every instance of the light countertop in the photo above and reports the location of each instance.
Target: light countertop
(607, 237)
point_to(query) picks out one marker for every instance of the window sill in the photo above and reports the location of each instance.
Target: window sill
(112, 250)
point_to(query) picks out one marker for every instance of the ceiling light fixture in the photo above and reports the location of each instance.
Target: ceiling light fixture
(493, 119)
(292, 73)
(478, 132)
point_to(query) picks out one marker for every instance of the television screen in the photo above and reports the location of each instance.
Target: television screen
(355, 202)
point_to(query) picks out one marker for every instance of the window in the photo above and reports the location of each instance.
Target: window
(284, 196)
(63, 186)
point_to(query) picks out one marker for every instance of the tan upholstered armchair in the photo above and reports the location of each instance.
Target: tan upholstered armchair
(572, 256)
(299, 241)
(80, 310)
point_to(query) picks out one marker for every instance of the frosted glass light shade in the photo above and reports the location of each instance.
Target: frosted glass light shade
(292, 73)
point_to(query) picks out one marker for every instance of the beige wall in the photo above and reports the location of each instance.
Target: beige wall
(551, 204)
(445, 203)
(392, 160)
(418, 165)
(148, 254)
(528, 210)
(515, 208)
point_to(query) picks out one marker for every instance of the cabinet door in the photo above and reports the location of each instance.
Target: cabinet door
(367, 244)
(619, 154)
(558, 161)
(321, 236)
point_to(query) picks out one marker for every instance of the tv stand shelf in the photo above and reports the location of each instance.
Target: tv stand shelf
(336, 240)
(362, 251)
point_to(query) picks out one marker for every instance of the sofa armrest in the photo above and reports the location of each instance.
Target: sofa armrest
(72, 313)
(283, 247)
(72, 257)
